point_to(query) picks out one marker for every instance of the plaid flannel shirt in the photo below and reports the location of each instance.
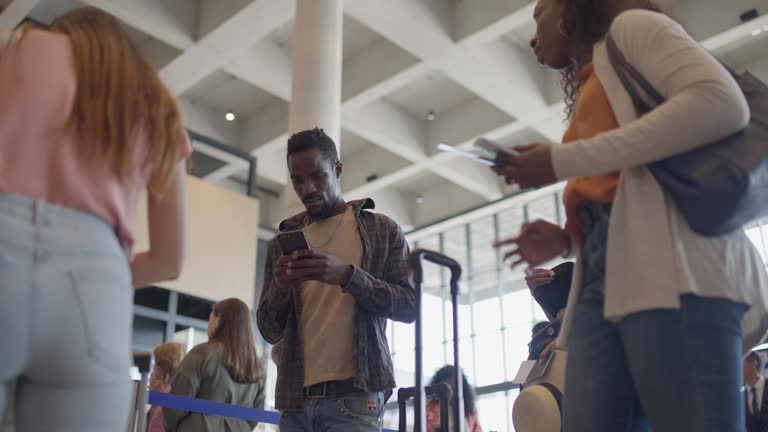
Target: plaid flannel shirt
(382, 290)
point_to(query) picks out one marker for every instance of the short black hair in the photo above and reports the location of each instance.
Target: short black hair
(755, 357)
(313, 139)
(446, 372)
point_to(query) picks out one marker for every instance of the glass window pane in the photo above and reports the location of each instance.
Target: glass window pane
(465, 358)
(432, 319)
(490, 358)
(455, 246)
(492, 412)
(510, 222)
(518, 338)
(543, 208)
(465, 323)
(433, 359)
(483, 258)
(404, 347)
(538, 313)
(487, 315)
(518, 308)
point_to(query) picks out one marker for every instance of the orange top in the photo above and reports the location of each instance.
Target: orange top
(592, 115)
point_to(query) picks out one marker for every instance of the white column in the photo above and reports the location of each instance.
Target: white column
(316, 81)
(316, 86)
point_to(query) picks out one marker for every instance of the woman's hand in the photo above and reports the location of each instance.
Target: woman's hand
(538, 277)
(532, 168)
(537, 243)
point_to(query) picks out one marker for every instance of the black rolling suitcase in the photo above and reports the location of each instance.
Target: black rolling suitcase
(137, 422)
(441, 391)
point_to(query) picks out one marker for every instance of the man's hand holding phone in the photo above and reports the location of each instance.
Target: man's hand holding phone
(309, 264)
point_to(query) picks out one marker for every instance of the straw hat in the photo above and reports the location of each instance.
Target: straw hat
(537, 409)
(538, 406)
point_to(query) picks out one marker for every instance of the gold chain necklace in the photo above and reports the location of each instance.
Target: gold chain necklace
(333, 234)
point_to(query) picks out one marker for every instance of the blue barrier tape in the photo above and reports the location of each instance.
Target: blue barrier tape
(168, 400)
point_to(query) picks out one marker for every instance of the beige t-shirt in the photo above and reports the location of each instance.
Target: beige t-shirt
(327, 313)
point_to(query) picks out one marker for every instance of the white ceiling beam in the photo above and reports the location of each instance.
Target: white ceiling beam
(212, 13)
(482, 21)
(262, 130)
(738, 33)
(266, 66)
(418, 27)
(470, 176)
(444, 201)
(442, 158)
(506, 77)
(383, 67)
(250, 24)
(262, 135)
(395, 205)
(189, 68)
(171, 21)
(382, 88)
(359, 166)
(384, 182)
(498, 72)
(201, 118)
(273, 165)
(386, 125)
(465, 122)
(501, 74)
(226, 42)
(15, 12)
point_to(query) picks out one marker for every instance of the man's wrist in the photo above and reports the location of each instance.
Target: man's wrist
(347, 275)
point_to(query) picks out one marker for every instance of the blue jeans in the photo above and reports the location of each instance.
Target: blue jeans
(663, 370)
(65, 318)
(354, 412)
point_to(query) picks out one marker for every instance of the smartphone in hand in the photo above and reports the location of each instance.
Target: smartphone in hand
(291, 241)
(494, 151)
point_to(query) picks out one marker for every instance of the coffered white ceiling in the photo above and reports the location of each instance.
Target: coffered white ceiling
(466, 61)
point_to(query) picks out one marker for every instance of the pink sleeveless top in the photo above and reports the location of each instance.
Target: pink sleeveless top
(38, 158)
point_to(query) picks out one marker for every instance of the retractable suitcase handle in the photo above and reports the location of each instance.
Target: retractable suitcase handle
(439, 259)
(418, 278)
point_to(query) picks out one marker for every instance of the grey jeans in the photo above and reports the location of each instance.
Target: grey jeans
(65, 319)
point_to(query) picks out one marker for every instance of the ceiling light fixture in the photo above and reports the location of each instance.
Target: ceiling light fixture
(419, 199)
(230, 116)
(431, 115)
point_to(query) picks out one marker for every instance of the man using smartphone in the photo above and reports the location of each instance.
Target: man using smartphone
(328, 305)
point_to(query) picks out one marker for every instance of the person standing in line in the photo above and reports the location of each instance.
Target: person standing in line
(647, 289)
(225, 369)
(86, 126)
(167, 358)
(755, 396)
(328, 306)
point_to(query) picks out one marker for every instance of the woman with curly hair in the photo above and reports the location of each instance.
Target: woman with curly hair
(653, 323)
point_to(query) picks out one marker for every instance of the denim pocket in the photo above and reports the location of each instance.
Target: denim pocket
(366, 407)
(103, 297)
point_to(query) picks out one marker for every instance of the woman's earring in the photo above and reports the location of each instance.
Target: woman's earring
(560, 28)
